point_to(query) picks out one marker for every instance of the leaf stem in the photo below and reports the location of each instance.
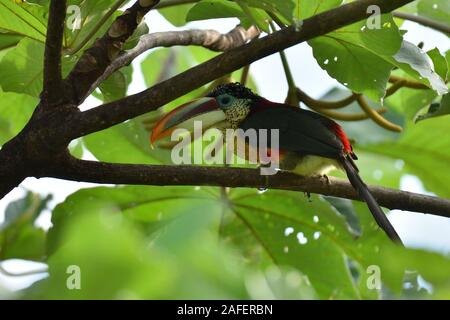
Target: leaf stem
(423, 21)
(320, 104)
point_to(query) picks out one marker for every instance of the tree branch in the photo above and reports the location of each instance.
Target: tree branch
(423, 21)
(162, 175)
(209, 39)
(52, 91)
(116, 112)
(97, 58)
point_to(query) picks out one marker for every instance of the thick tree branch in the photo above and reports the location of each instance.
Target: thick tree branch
(52, 92)
(161, 175)
(96, 59)
(116, 112)
(423, 21)
(209, 39)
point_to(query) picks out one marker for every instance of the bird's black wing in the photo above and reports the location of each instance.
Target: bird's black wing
(300, 131)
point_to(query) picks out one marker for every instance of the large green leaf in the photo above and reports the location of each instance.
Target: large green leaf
(409, 101)
(21, 69)
(425, 149)
(437, 109)
(354, 55)
(438, 10)
(213, 9)
(90, 232)
(15, 111)
(125, 143)
(439, 63)
(416, 63)
(300, 233)
(307, 8)
(8, 41)
(176, 15)
(19, 237)
(23, 19)
(283, 7)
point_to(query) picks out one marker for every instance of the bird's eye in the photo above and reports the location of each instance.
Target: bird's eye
(225, 100)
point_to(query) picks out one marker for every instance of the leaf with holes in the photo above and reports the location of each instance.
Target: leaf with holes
(355, 55)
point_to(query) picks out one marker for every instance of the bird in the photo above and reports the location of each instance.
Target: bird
(309, 144)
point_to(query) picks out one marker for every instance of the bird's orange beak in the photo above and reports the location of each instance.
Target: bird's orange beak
(205, 110)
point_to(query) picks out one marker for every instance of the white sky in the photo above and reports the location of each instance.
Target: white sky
(417, 230)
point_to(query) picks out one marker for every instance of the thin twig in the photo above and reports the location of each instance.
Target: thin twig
(321, 104)
(376, 117)
(347, 116)
(395, 87)
(423, 21)
(408, 83)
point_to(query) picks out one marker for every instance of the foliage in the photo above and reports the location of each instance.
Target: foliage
(192, 242)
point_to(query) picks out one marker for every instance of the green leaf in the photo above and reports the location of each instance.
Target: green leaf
(132, 41)
(176, 15)
(15, 111)
(283, 7)
(409, 101)
(19, 237)
(436, 109)
(307, 8)
(8, 41)
(355, 56)
(23, 19)
(415, 62)
(21, 69)
(299, 233)
(439, 63)
(438, 10)
(76, 148)
(125, 143)
(425, 149)
(214, 9)
(116, 86)
(90, 13)
(99, 223)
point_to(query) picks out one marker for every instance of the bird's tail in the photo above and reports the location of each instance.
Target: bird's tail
(363, 191)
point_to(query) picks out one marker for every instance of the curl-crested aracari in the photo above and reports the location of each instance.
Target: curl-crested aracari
(309, 143)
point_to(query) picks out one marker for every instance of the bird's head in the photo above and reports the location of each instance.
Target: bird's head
(224, 107)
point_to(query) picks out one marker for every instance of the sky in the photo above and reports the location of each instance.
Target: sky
(416, 229)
